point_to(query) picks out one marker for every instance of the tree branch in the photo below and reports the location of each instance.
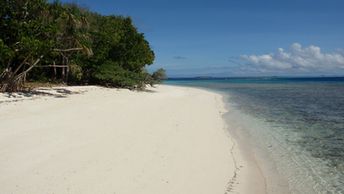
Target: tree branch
(68, 50)
(53, 66)
(32, 66)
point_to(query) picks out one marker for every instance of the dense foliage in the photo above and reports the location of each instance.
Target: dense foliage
(55, 42)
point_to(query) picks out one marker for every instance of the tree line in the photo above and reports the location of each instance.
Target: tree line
(59, 42)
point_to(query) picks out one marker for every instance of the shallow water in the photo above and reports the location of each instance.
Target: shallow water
(298, 122)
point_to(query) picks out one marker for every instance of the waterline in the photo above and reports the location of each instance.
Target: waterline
(295, 129)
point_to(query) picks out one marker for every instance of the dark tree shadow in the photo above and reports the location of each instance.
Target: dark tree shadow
(52, 92)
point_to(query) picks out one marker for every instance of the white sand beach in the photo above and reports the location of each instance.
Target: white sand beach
(91, 140)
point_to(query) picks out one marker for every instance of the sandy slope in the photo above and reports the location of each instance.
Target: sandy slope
(169, 140)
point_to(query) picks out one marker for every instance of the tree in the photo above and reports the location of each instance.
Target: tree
(120, 51)
(72, 40)
(24, 38)
(41, 41)
(35, 32)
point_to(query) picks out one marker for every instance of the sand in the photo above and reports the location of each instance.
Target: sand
(97, 140)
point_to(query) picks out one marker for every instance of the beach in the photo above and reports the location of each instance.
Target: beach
(89, 139)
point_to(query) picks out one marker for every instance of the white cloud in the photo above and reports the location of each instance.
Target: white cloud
(297, 59)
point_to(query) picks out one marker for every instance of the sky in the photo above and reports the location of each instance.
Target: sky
(231, 38)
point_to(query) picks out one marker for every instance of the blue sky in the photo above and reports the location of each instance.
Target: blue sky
(238, 37)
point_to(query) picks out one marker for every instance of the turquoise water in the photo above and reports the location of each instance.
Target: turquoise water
(298, 122)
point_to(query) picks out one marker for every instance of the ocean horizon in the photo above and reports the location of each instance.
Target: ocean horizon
(294, 126)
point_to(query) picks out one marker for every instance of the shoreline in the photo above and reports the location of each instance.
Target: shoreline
(166, 140)
(261, 169)
(261, 161)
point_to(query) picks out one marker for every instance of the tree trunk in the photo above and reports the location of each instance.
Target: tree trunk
(13, 82)
(55, 73)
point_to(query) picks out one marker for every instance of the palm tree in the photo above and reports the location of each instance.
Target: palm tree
(72, 36)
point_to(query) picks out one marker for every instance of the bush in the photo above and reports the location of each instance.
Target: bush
(111, 74)
(159, 75)
(75, 73)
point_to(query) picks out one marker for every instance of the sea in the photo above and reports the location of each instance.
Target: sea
(295, 125)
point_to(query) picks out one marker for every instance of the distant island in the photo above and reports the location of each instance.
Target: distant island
(310, 78)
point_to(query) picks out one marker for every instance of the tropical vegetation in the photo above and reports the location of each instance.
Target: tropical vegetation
(65, 43)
